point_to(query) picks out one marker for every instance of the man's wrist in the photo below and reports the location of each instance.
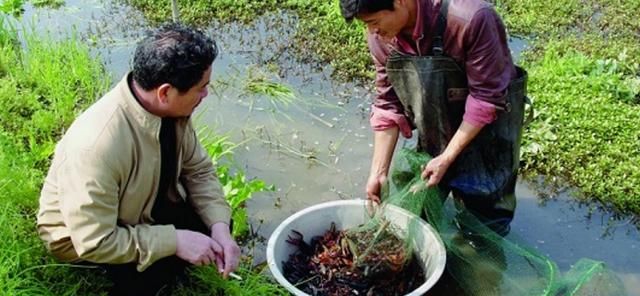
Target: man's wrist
(220, 228)
(449, 156)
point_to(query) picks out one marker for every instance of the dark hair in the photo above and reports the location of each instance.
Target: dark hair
(351, 8)
(174, 54)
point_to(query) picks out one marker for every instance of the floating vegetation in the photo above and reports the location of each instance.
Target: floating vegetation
(48, 3)
(278, 93)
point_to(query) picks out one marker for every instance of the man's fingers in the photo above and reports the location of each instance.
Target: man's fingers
(220, 265)
(434, 179)
(227, 266)
(216, 247)
(218, 255)
(231, 255)
(211, 257)
(371, 205)
(426, 173)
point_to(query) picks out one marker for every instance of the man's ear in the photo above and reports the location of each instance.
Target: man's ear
(162, 92)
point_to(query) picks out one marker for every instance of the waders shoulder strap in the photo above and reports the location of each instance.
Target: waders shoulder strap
(441, 24)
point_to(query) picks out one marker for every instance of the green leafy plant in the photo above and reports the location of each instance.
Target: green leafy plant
(13, 7)
(237, 188)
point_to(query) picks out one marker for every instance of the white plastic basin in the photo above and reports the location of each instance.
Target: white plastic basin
(316, 220)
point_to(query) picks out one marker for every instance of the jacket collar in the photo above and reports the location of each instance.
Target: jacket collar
(146, 119)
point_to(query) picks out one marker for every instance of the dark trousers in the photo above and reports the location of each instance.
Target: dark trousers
(158, 278)
(162, 275)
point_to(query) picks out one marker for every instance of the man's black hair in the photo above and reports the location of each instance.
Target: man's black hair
(351, 8)
(174, 54)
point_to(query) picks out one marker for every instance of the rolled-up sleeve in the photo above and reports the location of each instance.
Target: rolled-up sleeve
(386, 110)
(488, 65)
(89, 207)
(199, 178)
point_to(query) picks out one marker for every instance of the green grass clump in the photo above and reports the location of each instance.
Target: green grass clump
(48, 3)
(587, 126)
(13, 7)
(276, 93)
(42, 89)
(207, 281)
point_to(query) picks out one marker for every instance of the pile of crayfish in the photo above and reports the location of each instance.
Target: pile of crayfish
(361, 261)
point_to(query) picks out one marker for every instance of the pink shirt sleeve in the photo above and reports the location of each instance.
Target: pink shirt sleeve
(488, 66)
(478, 113)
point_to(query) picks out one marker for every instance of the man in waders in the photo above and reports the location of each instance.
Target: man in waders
(130, 187)
(444, 68)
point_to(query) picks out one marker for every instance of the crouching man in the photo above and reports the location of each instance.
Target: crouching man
(130, 187)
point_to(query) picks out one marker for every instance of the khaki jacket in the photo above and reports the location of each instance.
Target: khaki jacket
(96, 201)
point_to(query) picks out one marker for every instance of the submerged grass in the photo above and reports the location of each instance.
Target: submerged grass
(44, 84)
(583, 65)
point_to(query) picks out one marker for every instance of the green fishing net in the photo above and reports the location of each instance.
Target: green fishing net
(481, 262)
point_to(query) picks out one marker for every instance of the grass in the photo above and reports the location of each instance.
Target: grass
(15, 7)
(48, 3)
(588, 135)
(276, 92)
(583, 66)
(207, 281)
(44, 84)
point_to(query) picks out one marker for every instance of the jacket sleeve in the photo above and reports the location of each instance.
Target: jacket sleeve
(200, 180)
(89, 206)
(386, 110)
(488, 65)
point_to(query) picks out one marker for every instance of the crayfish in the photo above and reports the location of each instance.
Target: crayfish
(367, 261)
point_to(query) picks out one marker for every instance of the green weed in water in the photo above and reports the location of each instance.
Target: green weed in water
(237, 188)
(13, 7)
(278, 93)
(48, 3)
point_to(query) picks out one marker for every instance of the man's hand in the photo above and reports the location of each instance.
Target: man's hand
(230, 251)
(197, 248)
(435, 169)
(374, 187)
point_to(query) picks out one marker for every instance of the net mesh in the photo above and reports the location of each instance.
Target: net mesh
(479, 261)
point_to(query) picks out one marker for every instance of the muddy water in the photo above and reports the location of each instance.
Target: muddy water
(318, 146)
